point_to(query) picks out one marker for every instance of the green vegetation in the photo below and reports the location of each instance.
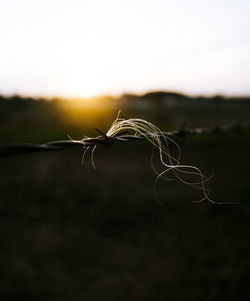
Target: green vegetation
(39, 120)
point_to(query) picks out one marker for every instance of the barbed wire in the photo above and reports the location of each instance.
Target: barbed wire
(104, 140)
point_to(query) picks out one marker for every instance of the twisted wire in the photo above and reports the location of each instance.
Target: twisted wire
(104, 140)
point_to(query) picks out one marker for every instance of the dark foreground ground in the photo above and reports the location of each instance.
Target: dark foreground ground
(69, 232)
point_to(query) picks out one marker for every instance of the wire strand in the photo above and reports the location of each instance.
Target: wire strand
(106, 140)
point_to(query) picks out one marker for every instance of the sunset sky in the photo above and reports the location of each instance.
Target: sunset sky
(93, 47)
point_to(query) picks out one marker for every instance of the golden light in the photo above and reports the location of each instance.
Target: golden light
(88, 113)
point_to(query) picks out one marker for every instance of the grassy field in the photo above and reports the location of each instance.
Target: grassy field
(69, 232)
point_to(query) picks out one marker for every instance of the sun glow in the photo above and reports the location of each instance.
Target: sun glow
(83, 81)
(88, 113)
(83, 87)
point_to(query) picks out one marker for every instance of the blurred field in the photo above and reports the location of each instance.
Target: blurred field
(69, 232)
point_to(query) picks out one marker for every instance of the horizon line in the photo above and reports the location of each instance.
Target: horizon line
(130, 93)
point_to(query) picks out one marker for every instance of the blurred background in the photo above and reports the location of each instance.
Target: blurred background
(70, 232)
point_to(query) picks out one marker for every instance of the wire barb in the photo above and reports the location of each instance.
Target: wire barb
(107, 140)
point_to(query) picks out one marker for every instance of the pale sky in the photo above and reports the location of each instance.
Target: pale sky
(92, 47)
